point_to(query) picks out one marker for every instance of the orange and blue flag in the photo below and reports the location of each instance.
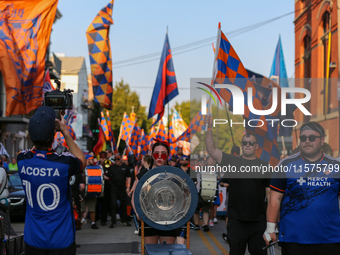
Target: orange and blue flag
(25, 29)
(166, 85)
(134, 140)
(196, 125)
(99, 46)
(162, 134)
(71, 131)
(126, 127)
(145, 145)
(111, 135)
(172, 140)
(230, 70)
(104, 126)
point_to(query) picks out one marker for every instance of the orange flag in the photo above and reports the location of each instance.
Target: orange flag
(25, 28)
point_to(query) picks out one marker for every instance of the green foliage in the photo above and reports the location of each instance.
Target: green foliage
(184, 110)
(124, 100)
(222, 133)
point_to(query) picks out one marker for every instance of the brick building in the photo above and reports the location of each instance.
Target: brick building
(316, 27)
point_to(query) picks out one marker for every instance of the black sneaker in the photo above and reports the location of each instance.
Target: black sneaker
(224, 236)
(197, 227)
(112, 226)
(94, 226)
(206, 228)
(126, 223)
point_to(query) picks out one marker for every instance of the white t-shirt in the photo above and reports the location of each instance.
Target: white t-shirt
(3, 180)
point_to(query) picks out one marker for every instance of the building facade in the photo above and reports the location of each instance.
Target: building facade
(317, 66)
(74, 77)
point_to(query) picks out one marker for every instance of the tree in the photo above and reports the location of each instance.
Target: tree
(124, 100)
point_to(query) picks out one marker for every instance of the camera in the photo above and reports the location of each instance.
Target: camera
(59, 100)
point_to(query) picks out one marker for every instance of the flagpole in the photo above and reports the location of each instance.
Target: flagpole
(120, 135)
(167, 30)
(218, 39)
(231, 131)
(168, 121)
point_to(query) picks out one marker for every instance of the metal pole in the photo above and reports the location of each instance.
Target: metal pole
(231, 131)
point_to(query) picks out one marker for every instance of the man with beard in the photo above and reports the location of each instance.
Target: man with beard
(306, 195)
(246, 207)
(184, 164)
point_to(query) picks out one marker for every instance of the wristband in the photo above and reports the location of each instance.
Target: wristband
(270, 229)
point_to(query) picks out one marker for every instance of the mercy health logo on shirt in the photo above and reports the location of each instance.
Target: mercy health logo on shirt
(314, 181)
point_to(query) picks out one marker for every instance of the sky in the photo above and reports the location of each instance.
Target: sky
(140, 27)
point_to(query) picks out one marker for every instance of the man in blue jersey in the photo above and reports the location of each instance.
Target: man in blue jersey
(49, 224)
(305, 193)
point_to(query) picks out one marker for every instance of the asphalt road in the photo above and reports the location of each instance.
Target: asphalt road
(122, 240)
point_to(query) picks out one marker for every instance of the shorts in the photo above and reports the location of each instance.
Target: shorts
(34, 251)
(205, 208)
(148, 231)
(90, 202)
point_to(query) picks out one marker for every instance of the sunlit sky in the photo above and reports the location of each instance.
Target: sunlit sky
(140, 26)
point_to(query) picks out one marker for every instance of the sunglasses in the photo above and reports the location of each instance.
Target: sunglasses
(251, 143)
(116, 159)
(186, 159)
(156, 155)
(311, 138)
(201, 161)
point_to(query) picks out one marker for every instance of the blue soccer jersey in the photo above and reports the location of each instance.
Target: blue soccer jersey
(45, 176)
(309, 208)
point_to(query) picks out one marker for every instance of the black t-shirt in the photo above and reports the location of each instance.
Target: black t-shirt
(75, 180)
(186, 171)
(142, 171)
(246, 196)
(119, 175)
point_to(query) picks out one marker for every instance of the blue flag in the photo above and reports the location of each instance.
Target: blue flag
(166, 85)
(279, 69)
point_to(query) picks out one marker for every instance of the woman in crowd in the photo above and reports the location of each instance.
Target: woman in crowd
(160, 153)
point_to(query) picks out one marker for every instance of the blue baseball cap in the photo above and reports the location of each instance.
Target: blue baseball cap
(42, 124)
(88, 156)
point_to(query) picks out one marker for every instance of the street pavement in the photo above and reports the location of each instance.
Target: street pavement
(121, 240)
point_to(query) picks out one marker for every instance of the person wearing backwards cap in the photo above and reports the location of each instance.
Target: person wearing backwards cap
(49, 225)
(306, 195)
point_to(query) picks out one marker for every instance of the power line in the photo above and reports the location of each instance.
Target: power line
(188, 47)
